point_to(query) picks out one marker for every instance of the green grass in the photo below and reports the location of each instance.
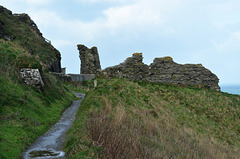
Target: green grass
(26, 36)
(123, 119)
(25, 113)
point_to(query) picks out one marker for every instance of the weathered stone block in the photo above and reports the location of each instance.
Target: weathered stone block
(32, 77)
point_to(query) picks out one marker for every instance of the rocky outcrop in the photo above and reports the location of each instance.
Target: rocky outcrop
(20, 28)
(55, 66)
(32, 77)
(90, 63)
(164, 70)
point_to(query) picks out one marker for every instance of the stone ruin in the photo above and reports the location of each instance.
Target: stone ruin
(90, 66)
(164, 70)
(32, 77)
(90, 63)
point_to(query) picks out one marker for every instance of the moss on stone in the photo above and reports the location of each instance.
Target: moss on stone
(137, 54)
(138, 64)
(166, 58)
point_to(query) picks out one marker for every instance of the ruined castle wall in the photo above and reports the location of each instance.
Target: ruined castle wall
(133, 69)
(164, 70)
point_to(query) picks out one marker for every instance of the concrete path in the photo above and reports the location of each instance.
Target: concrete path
(49, 145)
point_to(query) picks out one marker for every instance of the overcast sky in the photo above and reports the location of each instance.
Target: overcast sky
(190, 31)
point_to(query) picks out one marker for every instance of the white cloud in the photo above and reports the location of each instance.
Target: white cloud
(128, 18)
(132, 16)
(46, 19)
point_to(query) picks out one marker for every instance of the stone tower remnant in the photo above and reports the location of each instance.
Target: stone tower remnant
(90, 63)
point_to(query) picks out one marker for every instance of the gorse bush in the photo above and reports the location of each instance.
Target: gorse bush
(123, 119)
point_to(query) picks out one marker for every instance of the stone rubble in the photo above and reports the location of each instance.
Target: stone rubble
(32, 77)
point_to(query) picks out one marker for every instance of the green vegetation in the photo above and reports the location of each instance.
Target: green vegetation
(25, 113)
(118, 118)
(123, 119)
(24, 32)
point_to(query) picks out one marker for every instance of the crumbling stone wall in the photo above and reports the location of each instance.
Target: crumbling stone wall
(90, 63)
(133, 69)
(164, 70)
(32, 77)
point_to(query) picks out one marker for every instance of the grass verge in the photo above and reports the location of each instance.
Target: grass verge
(123, 119)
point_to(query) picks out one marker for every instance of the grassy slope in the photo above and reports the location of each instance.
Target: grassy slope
(122, 119)
(28, 37)
(24, 112)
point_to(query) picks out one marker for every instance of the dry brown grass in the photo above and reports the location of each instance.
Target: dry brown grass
(122, 119)
(139, 133)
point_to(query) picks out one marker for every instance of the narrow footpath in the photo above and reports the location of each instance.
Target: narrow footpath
(49, 145)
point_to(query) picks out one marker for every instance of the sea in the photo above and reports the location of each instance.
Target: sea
(232, 89)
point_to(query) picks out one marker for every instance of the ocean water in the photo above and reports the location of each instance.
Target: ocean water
(233, 89)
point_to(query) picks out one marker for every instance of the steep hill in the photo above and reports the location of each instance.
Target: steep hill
(123, 119)
(26, 113)
(21, 29)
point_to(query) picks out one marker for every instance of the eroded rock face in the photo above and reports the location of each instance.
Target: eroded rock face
(32, 77)
(164, 70)
(56, 65)
(90, 63)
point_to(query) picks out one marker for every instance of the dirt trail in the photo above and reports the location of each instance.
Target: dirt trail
(50, 144)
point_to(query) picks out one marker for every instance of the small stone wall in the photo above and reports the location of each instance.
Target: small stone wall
(32, 77)
(164, 70)
(81, 77)
(74, 77)
(63, 77)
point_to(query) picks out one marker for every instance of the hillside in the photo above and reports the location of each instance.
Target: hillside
(21, 29)
(118, 118)
(26, 113)
(123, 119)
